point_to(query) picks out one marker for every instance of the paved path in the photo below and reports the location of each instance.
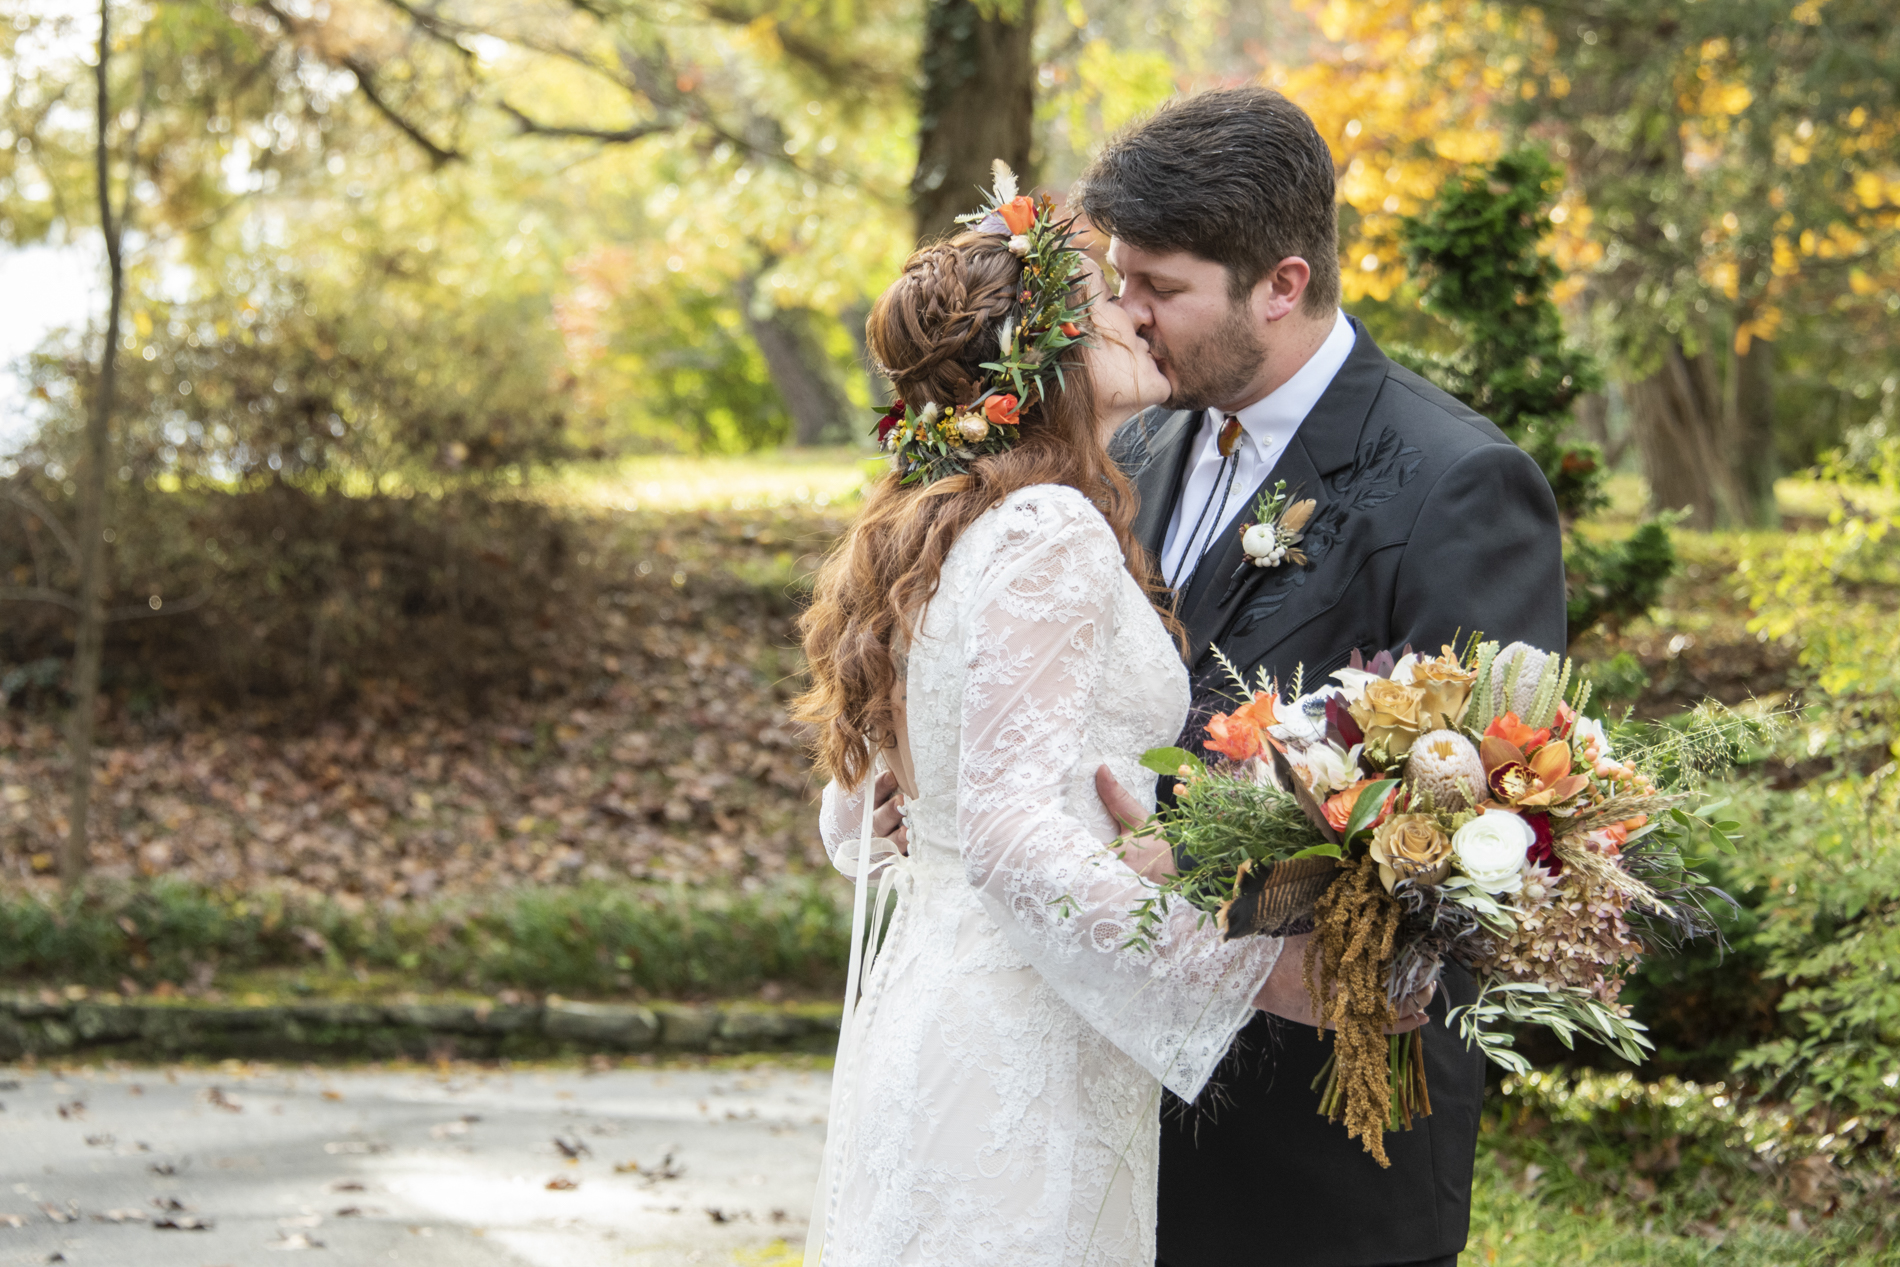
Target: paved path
(463, 1168)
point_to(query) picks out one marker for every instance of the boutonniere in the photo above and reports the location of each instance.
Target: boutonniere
(1274, 536)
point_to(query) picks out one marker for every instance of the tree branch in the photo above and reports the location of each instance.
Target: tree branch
(32, 505)
(836, 70)
(39, 594)
(146, 611)
(439, 156)
(621, 136)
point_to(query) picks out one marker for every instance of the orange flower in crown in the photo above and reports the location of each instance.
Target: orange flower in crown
(1018, 213)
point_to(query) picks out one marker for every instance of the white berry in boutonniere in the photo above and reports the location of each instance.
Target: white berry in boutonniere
(1275, 535)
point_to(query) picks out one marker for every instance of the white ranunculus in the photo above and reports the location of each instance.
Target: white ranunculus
(1491, 849)
(1586, 729)
(1259, 541)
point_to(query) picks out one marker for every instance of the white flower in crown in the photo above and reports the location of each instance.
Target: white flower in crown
(1275, 536)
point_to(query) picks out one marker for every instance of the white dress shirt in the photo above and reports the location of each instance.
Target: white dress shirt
(1267, 427)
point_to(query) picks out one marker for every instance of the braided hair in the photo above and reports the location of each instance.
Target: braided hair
(931, 331)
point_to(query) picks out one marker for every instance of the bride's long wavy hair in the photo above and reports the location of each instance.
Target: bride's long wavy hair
(931, 331)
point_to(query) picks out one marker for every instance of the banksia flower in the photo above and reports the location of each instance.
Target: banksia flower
(1439, 760)
(1524, 692)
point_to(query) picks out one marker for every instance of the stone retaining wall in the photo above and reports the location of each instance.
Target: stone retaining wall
(45, 1026)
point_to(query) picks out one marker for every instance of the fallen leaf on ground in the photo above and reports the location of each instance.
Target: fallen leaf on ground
(296, 1240)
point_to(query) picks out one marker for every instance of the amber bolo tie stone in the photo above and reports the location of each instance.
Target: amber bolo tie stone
(1229, 436)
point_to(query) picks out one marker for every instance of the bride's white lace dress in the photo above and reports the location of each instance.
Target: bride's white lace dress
(1000, 1105)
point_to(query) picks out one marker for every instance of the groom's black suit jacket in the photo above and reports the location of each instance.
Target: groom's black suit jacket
(1430, 524)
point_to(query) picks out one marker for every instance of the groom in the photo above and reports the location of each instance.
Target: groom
(1430, 524)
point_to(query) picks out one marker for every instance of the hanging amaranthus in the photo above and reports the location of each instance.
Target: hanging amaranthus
(1368, 1080)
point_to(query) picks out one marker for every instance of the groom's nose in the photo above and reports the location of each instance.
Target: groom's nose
(1139, 311)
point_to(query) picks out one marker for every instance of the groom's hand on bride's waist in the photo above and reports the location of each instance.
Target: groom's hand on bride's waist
(886, 819)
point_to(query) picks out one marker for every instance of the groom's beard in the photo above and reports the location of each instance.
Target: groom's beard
(1216, 367)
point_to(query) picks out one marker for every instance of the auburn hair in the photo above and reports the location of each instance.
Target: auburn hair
(931, 331)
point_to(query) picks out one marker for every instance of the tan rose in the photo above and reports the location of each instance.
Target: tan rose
(1389, 714)
(1447, 686)
(1411, 847)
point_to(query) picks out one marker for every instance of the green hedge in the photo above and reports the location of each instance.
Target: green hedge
(589, 939)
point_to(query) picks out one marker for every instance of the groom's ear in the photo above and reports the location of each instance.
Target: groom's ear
(1279, 292)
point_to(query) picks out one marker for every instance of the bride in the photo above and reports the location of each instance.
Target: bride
(986, 631)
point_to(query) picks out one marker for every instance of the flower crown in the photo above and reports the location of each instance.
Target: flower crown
(931, 440)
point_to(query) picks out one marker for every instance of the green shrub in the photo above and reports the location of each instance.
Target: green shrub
(1830, 930)
(1618, 582)
(593, 939)
(1607, 1169)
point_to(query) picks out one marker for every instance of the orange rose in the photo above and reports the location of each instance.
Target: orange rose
(1339, 806)
(1259, 711)
(1018, 213)
(1002, 410)
(1234, 738)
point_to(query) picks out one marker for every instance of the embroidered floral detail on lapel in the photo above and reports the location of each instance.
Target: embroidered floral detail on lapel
(1379, 469)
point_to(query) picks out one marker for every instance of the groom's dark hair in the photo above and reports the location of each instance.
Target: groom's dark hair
(1239, 176)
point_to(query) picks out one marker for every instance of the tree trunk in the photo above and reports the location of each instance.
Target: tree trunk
(89, 646)
(1750, 410)
(1705, 427)
(795, 355)
(978, 104)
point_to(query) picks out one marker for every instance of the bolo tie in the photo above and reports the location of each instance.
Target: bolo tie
(1229, 445)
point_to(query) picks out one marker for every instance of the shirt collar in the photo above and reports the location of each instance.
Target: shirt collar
(1271, 421)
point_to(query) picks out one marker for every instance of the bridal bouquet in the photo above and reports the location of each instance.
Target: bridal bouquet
(1458, 808)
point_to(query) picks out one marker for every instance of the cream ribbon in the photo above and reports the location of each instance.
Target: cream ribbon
(863, 957)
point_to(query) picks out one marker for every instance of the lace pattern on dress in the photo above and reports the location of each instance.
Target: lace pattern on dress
(1013, 1041)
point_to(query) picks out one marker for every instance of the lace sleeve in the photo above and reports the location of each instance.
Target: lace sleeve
(840, 815)
(1036, 637)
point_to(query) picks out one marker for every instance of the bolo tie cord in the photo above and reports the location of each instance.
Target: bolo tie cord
(1229, 445)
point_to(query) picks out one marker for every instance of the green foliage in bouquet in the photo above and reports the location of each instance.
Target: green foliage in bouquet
(1457, 808)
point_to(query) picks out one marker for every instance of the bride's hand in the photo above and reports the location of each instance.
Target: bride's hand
(885, 820)
(1150, 856)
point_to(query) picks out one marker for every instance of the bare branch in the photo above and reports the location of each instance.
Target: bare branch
(439, 156)
(147, 611)
(839, 71)
(620, 136)
(35, 507)
(39, 594)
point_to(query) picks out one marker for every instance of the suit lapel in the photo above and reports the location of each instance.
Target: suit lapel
(1154, 458)
(1213, 592)
(1326, 443)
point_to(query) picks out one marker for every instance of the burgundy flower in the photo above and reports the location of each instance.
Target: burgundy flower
(1340, 725)
(892, 416)
(1540, 851)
